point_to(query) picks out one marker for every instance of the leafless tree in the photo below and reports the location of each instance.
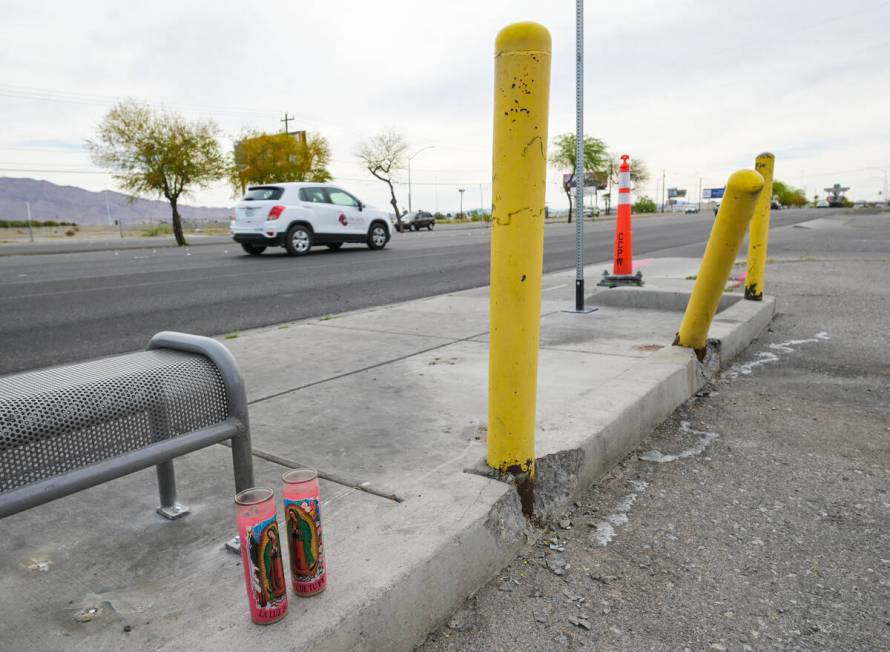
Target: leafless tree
(384, 155)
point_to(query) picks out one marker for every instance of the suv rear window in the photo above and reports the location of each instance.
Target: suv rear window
(257, 193)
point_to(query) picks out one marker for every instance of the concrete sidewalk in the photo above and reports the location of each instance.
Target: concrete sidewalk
(390, 405)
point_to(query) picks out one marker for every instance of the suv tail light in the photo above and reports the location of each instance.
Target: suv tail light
(275, 212)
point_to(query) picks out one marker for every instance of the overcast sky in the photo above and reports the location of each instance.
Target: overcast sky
(695, 88)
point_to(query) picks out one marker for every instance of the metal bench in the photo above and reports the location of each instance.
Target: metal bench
(68, 428)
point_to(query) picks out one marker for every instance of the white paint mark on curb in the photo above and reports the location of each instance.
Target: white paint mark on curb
(704, 439)
(768, 357)
(605, 530)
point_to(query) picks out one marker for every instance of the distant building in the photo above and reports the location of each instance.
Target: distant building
(835, 195)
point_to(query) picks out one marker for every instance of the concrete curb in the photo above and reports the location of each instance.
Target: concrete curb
(673, 376)
(402, 614)
(739, 325)
(48, 249)
(645, 400)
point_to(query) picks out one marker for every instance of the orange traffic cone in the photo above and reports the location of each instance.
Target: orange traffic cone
(622, 269)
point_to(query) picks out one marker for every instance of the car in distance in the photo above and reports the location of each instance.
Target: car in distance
(299, 216)
(775, 205)
(420, 220)
(822, 204)
(690, 208)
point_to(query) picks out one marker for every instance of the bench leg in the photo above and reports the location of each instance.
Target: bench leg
(167, 486)
(242, 461)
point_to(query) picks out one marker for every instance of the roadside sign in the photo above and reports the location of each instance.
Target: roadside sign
(591, 180)
(676, 192)
(712, 193)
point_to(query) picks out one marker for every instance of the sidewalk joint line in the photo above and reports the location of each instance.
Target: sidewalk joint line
(375, 330)
(325, 475)
(363, 369)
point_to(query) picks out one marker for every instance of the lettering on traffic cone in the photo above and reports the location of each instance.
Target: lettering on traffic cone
(622, 268)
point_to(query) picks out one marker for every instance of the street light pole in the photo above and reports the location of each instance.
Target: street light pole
(461, 191)
(422, 149)
(30, 230)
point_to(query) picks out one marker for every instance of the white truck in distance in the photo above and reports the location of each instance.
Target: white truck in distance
(299, 216)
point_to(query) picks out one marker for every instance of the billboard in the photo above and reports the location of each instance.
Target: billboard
(676, 192)
(712, 193)
(598, 180)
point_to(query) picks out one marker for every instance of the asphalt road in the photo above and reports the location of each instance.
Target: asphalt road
(65, 307)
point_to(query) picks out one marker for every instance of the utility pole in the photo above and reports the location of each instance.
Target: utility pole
(663, 190)
(481, 199)
(461, 191)
(120, 223)
(286, 119)
(699, 193)
(422, 149)
(30, 230)
(107, 208)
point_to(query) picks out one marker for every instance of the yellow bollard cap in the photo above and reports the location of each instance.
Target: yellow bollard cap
(746, 181)
(522, 37)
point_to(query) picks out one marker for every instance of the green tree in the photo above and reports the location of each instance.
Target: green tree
(788, 195)
(158, 153)
(269, 158)
(639, 175)
(596, 160)
(384, 155)
(644, 204)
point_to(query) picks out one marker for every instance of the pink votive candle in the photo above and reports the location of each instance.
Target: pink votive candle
(302, 514)
(261, 555)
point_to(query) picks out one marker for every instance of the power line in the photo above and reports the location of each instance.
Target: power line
(55, 171)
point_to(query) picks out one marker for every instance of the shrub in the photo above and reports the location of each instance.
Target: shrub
(69, 232)
(644, 205)
(161, 229)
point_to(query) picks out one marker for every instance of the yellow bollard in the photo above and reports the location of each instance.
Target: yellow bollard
(521, 99)
(759, 233)
(732, 220)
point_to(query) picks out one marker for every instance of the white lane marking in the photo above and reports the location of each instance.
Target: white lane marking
(555, 287)
(705, 438)
(768, 357)
(605, 529)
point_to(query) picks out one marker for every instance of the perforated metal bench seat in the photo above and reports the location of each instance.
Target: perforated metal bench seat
(68, 428)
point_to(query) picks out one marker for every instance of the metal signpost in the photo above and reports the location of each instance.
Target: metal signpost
(579, 157)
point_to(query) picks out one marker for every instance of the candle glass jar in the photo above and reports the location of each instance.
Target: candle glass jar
(302, 515)
(261, 554)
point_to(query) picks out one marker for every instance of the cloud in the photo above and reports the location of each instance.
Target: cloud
(695, 88)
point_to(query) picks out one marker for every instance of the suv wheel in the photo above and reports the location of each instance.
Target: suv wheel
(253, 249)
(430, 226)
(377, 236)
(298, 241)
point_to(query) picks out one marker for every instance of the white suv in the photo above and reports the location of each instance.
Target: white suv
(299, 216)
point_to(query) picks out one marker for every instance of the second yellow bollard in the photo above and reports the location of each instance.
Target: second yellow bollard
(759, 232)
(732, 220)
(521, 102)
